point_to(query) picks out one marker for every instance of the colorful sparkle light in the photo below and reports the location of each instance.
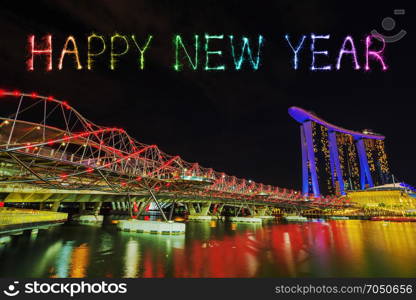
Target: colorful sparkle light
(115, 55)
(142, 50)
(246, 48)
(188, 55)
(177, 41)
(90, 54)
(314, 53)
(208, 53)
(45, 50)
(376, 55)
(295, 50)
(74, 52)
(351, 51)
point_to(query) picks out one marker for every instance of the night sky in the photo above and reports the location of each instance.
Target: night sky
(232, 121)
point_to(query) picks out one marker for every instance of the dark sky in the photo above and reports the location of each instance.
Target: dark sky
(233, 121)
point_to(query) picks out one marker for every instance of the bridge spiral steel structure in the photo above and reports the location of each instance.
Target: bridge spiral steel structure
(45, 142)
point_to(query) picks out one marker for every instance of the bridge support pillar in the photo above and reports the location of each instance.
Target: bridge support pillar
(141, 206)
(205, 208)
(202, 214)
(262, 212)
(55, 206)
(128, 205)
(191, 208)
(97, 207)
(90, 216)
(82, 208)
(217, 210)
(220, 208)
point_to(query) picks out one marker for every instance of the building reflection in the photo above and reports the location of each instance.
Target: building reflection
(79, 261)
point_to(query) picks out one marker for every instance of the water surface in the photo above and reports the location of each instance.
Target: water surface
(351, 248)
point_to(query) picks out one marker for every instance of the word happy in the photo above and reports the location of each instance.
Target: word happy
(201, 52)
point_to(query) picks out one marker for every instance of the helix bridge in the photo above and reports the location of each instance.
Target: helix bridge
(50, 152)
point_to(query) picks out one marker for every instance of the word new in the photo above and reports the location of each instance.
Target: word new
(239, 57)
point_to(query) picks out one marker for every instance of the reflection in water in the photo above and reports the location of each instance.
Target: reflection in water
(80, 260)
(131, 259)
(288, 254)
(349, 248)
(63, 259)
(42, 260)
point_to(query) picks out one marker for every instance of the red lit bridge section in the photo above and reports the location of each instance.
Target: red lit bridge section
(47, 147)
